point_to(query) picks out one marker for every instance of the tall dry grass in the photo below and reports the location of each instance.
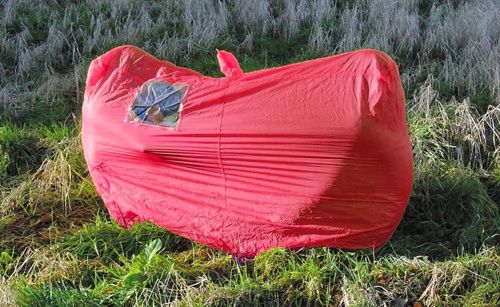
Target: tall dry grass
(453, 130)
(41, 43)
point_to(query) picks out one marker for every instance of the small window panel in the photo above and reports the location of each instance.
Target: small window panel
(158, 103)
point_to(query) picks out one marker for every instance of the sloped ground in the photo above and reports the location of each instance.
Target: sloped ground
(59, 247)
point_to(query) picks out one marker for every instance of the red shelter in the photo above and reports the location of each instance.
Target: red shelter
(315, 153)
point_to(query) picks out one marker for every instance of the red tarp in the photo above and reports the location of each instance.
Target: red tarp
(309, 154)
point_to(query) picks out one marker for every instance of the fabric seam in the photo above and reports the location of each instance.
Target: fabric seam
(221, 164)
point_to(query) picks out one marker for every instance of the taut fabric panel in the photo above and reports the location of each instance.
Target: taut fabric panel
(315, 153)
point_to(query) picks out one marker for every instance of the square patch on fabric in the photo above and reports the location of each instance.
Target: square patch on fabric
(158, 103)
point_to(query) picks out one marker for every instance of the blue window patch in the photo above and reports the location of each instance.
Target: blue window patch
(158, 103)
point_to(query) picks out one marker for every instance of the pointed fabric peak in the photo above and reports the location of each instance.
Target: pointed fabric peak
(228, 64)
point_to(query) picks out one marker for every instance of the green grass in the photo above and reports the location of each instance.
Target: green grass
(445, 252)
(321, 276)
(450, 211)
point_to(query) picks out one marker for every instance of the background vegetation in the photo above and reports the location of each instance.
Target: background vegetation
(59, 247)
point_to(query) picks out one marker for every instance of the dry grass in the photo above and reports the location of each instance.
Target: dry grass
(7, 297)
(452, 131)
(254, 15)
(433, 283)
(468, 38)
(392, 26)
(44, 38)
(54, 199)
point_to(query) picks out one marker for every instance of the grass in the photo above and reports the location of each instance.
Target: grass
(58, 246)
(308, 277)
(46, 46)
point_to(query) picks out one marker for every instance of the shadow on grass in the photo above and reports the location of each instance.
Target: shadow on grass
(20, 152)
(450, 212)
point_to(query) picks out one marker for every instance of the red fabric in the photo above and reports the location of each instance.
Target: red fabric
(309, 154)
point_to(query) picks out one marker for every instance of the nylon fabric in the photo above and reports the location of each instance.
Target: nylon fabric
(315, 153)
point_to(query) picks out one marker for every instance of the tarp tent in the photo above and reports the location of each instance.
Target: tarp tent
(315, 153)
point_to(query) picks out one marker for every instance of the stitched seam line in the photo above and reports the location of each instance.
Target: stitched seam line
(221, 164)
